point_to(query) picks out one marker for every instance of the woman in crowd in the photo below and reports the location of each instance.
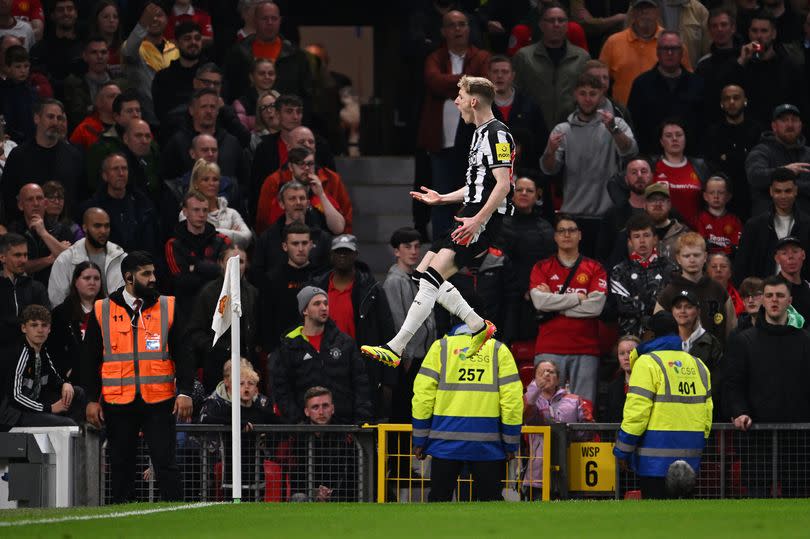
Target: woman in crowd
(262, 79)
(718, 267)
(543, 404)
(69, 319)
(617, 389)
(266, 119)
(205, 179)
(106, 23)
(55, 213)
(685, 175)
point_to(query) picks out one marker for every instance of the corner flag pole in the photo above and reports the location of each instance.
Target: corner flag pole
(228, 306)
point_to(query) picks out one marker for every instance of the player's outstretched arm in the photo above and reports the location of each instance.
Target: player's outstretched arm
(433, 198)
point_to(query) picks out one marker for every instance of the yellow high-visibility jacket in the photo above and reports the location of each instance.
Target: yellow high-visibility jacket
(668, 411)
(467, 408)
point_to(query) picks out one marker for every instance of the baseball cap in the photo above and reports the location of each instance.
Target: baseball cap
(660, 188)
(789, 240)
(688, 295)
(345, 241)
(306, 294)
(785, 108)
(642, 2)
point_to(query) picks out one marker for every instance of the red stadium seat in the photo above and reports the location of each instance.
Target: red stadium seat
(526, 374)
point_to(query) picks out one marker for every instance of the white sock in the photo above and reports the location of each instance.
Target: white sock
(452, 300)
(417, 314)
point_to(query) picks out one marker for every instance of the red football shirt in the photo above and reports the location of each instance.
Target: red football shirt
(341, 308)
(722, 234)
(561, 334)
(685, 189)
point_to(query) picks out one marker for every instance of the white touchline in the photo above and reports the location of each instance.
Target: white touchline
(117, 514)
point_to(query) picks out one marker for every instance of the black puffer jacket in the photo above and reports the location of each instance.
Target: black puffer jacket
(297, 366)
(198, 338)
(767, 373)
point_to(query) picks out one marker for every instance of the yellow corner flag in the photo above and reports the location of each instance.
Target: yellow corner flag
(230, 300)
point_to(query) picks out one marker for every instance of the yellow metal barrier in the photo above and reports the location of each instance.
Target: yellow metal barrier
(397, 464)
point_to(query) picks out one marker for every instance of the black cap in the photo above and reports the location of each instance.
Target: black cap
(789, 240)
(662, 323)
(785, 108)
(688, 295)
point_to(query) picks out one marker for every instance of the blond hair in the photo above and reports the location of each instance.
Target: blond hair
(480, 87)
(201, 169)
(690, 239)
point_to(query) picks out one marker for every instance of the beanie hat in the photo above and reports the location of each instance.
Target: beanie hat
(306, 294)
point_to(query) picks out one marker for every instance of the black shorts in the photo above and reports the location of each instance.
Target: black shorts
(466, 254)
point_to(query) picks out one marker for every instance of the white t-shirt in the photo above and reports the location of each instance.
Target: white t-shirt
(21, 30)
(450, 114)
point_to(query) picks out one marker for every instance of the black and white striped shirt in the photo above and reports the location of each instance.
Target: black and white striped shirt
(492, 147)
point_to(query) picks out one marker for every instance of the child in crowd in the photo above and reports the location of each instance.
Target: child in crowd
(17, 95)
(720, 229)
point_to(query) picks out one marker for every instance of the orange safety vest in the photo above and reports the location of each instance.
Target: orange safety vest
(136, 357)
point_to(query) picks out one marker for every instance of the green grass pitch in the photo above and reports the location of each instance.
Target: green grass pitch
(696, 519)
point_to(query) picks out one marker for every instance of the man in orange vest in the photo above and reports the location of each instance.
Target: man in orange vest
(134, 384)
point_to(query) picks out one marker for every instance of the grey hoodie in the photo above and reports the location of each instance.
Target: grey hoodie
(591, 158)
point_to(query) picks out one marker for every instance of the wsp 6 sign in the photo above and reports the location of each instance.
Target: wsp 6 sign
(591, 467)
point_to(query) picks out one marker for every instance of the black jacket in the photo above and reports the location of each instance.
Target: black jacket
(199, 250)
(90, 368)
(372, 315)
(269, 254)
(754, 256)
(134, 221)
(293, 72)
(65, 341)
(176, 161)
(198, 339)
(171, 89)
(216, 410)
(651, 101)
(725, 149)
(297, 366)
(22, 390)
(767, 373)
(278, 302)
(526, 116)
(32, 163)
(14, 297)
(633, 292)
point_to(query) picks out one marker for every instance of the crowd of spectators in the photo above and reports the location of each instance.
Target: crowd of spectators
(662, 165)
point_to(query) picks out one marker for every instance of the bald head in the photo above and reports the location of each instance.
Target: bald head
(31, 200)
(303, 136)
(91, 214)
(96, 226)
(138, 137)
(204, 147)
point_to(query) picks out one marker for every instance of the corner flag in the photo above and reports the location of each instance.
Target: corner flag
(230, 303)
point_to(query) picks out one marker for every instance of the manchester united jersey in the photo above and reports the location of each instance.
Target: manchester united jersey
(562, 334)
